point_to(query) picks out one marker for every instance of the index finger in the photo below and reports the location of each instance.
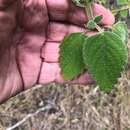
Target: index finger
(66, 11)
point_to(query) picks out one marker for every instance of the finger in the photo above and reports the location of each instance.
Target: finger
(65, 11)
(34, 17)
(51, 72)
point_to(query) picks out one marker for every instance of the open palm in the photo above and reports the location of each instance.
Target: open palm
(30, 35)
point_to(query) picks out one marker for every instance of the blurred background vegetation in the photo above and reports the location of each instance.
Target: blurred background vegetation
(120, 8)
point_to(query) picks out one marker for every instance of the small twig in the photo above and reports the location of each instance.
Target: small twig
(43, 109)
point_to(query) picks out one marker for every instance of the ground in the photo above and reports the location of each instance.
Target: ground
(69, 107)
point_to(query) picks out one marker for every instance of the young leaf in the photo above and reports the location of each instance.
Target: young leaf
(91, 24)
(120, 28)
(105, 56)
(98, 18)
(71, 60)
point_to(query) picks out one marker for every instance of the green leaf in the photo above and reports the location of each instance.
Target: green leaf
(91, 24)
(120, 28)
(97, 19)
(71, 60)
(124, 13)
(122, 2)
(105, 56)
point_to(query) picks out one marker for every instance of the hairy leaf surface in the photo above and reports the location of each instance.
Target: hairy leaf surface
(71, 60)
(105, 56)
(91, 24)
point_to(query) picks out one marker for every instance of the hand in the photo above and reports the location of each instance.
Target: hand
(30, 35)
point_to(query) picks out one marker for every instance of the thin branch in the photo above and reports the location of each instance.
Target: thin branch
(43, 109)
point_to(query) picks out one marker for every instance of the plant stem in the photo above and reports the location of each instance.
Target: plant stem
(89, 13)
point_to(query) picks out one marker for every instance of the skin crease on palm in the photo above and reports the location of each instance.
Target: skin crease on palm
(30, 35)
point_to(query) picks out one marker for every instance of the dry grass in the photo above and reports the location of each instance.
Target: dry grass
(63, 107)
(71, 108)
